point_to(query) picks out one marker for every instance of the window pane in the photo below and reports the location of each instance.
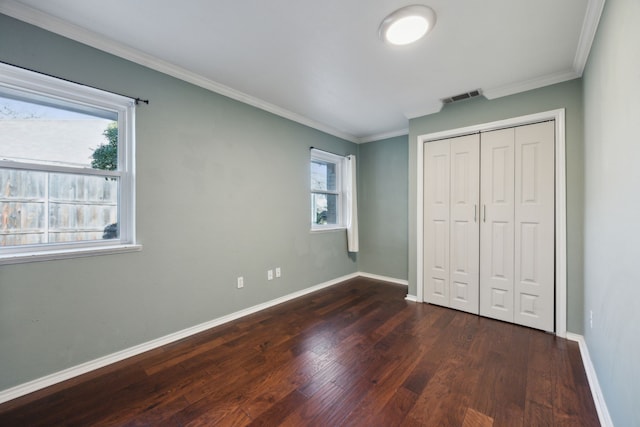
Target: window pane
(323, 176)
(325, 208)
(47, 131)
(41, 207)
(22, 214)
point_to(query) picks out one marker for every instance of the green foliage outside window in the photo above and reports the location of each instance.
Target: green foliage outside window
(105, 157)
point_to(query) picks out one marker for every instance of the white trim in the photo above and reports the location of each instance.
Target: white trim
(83, 368)
(30, 81)
(587, 34)
(384, 278)
(381, 136)
(594, 385)
(560, 200)
(434, 107)
(61, 92)
(420, 219)
(90, 38)
(411, 298)
(12, 164)
(56, 25)
(320, 229)
(340, 191)
(561, 224)
(535, 83)
(94, 250)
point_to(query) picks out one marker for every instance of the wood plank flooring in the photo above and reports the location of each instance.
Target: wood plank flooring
(355, 354)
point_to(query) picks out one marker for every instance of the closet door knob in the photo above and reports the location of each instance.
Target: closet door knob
(484, 213)
(475, 213)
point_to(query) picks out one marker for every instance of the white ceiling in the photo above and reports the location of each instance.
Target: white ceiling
(321, 63)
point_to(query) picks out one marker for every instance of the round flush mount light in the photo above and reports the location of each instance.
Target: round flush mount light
(407, 25)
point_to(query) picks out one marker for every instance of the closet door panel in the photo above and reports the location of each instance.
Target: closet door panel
(436, 222)
(465, 232)
(497, 225)
(535, 228)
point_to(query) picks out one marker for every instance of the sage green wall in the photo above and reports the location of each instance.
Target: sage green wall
(222, 191)
(566, 95)
(612, 208)
(382, 207)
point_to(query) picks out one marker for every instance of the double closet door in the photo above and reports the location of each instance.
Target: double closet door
(489, 224)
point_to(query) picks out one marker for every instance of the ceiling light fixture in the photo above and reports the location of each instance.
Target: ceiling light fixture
(407, 25)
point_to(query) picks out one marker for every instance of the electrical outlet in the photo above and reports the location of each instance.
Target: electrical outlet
(269, 274)
(591, 318)
(278, 272)
(240, 282)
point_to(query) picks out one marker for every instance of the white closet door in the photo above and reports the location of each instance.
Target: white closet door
(497, 224)
(534, 226)
(464, 230)
(436, 222)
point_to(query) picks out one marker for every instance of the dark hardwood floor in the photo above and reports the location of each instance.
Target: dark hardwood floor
(353, 354)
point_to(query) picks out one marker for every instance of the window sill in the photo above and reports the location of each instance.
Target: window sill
(20, 258)
(326, 229)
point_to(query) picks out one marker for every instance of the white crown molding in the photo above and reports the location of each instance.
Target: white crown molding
(587, 35)
(55, 25)
(90, 38)
(433, 108)
(381, 136)
(523, 86)
(594, 385)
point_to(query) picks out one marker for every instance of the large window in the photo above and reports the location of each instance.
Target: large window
(66, 168)
(327, 193)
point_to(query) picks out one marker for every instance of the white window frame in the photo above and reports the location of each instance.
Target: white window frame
(339, 161)
(32, 83)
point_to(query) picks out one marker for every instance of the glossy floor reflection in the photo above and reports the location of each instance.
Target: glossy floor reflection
(353, 354)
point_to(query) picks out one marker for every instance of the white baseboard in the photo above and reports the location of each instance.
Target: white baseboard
(594, 385)
(83, 368)
(384, 278)
(412, 298)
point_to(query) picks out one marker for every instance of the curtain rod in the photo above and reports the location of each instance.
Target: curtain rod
(135, 99)
(330, 152)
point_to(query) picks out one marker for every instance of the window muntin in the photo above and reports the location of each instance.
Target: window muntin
(327, 195)
(66, 166)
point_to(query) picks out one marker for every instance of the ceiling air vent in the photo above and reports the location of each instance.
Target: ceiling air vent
(462, 96)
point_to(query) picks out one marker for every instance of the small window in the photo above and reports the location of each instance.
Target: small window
(66, 166)
(327, 193)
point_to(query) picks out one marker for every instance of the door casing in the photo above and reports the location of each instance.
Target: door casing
(560, 201)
